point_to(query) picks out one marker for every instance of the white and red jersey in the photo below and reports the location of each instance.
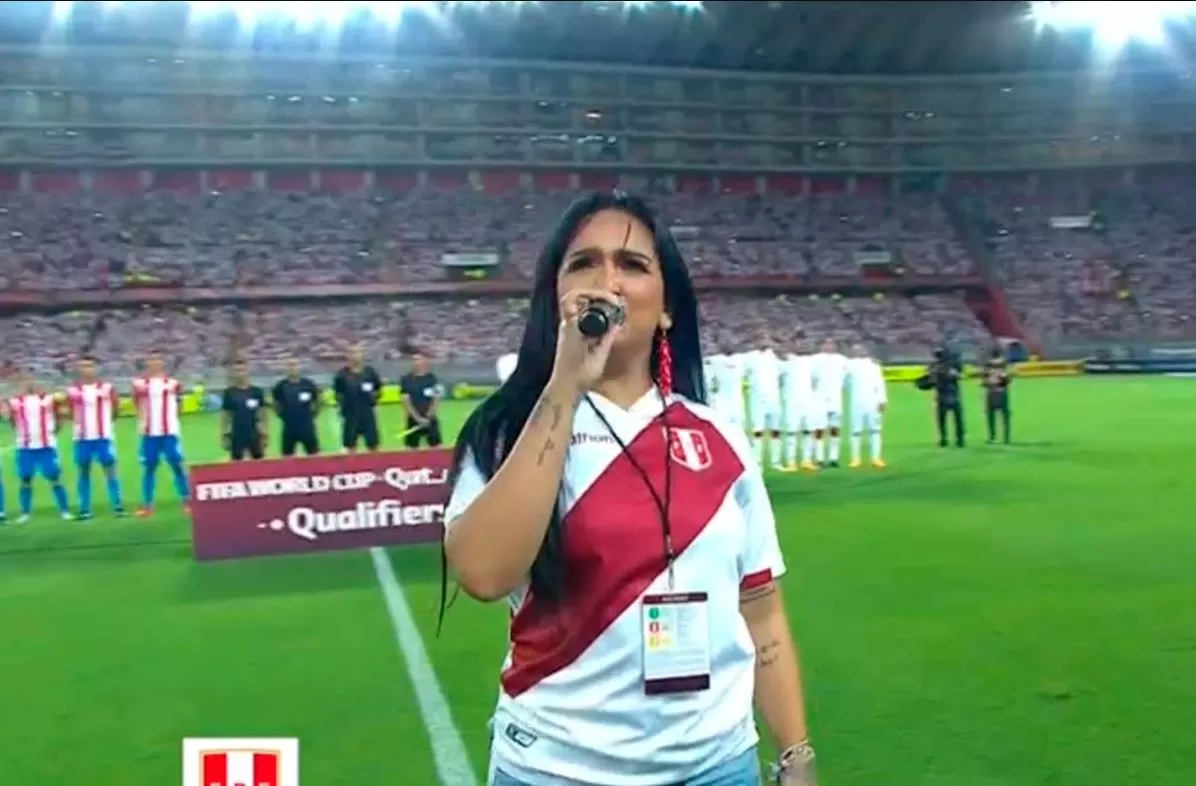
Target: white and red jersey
(35, 417)
(93, 407)
(157, 400)
(762, 368)
(830, 376)
(866, 384)
(573, 679)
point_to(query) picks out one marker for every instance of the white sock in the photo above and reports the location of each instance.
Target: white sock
(758, 447)
(875, 445)
(790, 448)
(835, 442)
(820, 449)
(774, 450)
(807, 448)
(855, 447)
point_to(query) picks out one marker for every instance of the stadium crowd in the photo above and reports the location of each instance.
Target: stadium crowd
(199, 339)
(97, 240)
(1131, 274)
(1133, 277)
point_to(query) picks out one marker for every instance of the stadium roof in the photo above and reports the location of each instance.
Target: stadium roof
(862, 37)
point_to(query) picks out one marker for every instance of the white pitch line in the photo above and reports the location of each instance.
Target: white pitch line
(448, 749)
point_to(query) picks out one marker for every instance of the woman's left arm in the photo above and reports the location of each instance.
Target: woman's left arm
(779, 696)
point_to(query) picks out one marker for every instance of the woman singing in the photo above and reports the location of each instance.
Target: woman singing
(629, 530)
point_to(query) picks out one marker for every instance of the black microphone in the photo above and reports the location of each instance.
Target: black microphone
(599, 317)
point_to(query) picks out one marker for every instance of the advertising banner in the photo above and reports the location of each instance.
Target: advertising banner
(1048, 368)
(318, 503)
(1140, 366)
(1072, 222)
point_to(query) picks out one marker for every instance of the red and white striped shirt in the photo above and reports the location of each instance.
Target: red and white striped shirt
(35, 420)
(93, 406)
(157, 401)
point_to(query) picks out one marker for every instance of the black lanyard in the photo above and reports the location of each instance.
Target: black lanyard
(662, 504)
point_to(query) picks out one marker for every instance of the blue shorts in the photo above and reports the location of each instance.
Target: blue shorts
(98, 450)
(743, 770)
(35, 461)
(154, 449)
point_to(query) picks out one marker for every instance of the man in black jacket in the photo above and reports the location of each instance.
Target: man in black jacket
(421, 395)
(357, 387)
(242, 420)
(942, 376)
(297, 403)
(996, 394)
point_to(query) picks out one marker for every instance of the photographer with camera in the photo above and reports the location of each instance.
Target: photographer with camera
(942, 376)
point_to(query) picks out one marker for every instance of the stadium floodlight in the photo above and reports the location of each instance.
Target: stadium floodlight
(1114, 24)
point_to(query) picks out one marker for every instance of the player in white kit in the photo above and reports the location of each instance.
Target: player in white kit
(800, 419)
(866, 392)
(725, 385)
(830, 372)
(763, 373)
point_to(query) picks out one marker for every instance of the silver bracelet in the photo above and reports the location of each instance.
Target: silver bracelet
(797, 758)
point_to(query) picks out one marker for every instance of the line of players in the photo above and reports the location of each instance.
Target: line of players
(795, 403)
(298, 402)
(92, 405)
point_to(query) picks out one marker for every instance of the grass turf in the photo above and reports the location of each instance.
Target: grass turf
(998, 616)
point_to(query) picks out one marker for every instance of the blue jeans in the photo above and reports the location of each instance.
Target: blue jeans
(743, 770)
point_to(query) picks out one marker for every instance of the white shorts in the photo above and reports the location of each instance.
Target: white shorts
(834, 418)
(815, 420)
(730, 409)
(865, 419)
(764, 415)
(800, 416)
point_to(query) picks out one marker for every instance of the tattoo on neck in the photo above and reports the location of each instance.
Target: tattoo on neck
(768, 654)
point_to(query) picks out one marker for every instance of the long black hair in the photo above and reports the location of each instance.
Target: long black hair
(490, 432)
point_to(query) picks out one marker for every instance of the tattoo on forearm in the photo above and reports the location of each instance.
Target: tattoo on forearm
(747, 596)
(547, 410)
(545, 449)
(767, 654)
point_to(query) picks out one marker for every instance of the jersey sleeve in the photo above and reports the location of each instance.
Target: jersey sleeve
(469, 485)
(760, 560)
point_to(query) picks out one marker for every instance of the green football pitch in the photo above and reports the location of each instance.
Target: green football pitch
(996, 616)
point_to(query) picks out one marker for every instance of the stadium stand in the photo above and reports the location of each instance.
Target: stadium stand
(1123, 282)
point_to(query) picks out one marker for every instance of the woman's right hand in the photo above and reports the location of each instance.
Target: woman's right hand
(580, 360)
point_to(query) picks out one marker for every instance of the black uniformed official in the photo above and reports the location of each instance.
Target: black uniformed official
(357, 387)
(996, 395)
(242, 422)
(943, 377)
(297, 402)
(421, 395)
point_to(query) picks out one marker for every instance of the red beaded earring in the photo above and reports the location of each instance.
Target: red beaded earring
(664, 357)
